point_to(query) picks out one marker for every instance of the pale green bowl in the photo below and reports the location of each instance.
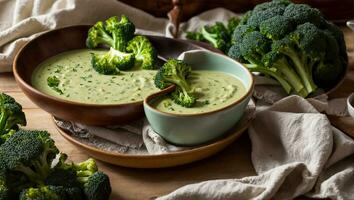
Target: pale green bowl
(195, 129)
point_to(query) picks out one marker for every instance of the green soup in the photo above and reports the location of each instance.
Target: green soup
(79, 82)
(213, 89)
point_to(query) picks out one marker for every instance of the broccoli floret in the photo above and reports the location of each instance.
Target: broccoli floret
(53, 82)
(122, 31)
(276, 27)
(235, 53)
(41, 193)
(62, 177)
(302, 13)
(183, 98)
(217, 35)
(11, 115)
(95, 184)
(29, 152)
(175, 72)
(197, 36)
(245, 17)
(254, 46)
(232, 23)
(112, 32)
(145, 53)
(111, 62)
(258, 17)
(240, 31)
(97, 187)
(267, 5)
(97, 34)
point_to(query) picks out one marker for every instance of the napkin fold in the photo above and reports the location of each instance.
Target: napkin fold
(295, 151)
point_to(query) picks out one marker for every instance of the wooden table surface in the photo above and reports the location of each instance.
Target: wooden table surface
(233, 162)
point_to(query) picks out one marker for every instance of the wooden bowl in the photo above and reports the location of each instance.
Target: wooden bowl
(69, 38)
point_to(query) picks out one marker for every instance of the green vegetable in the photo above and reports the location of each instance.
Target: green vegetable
(115, 34)
(291, 43)
(144, 51)
(11, 116)
(41, 193)
(175, 72)
(53, 82)
(29, 152)
(96, 185)
(218, 35)
(111, 62)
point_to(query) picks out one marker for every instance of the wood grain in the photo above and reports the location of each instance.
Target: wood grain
(131, 184)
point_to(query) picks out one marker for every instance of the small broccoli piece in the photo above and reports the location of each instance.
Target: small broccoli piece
(276, 27)
(175, 72)
(302, 13)
(53, 82)
(11, 115)
(145, 53)
(41, 193)
(29, 152)
(97, 34)
(217, 35)
(97, 187)
(111, 62)
(95, 184)
(183, 98)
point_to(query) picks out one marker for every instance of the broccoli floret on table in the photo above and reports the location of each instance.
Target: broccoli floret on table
(11, 116)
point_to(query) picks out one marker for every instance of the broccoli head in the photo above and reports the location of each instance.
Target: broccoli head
(232, 23)
(302, 13)
(11, 115)
(183, 98)
(31, 153)
(111, 62)
(144, 51)
(276, 27)
(240, 31)
(97, 34)
(235, 53)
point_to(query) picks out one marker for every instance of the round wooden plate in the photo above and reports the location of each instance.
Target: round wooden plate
(161, 160)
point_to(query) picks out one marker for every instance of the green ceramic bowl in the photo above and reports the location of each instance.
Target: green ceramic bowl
(195, 129)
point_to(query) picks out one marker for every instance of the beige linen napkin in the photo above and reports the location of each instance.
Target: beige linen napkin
(295, 151)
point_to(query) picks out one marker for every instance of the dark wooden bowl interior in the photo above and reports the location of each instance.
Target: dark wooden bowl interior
(65, 39)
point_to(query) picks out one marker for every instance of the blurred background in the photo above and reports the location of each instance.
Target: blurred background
(334, 10)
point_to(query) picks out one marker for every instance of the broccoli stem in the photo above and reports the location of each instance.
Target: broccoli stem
(291, 77)
(33, 176)
(301, 69)
(209, 37)
(255, 68)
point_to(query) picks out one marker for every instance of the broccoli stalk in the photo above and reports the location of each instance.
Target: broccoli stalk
(217, 35)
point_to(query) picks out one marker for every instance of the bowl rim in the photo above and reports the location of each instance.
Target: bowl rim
(148, 99)
(76, 103)
(350, 100)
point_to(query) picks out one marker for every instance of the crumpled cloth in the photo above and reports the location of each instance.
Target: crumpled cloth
(295, 151)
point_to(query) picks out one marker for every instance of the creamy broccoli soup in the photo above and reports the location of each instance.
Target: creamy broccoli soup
(213, 89)
(81, 83)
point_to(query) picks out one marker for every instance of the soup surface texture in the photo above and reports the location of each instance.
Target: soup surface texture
(213, 89)
(79, 82)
